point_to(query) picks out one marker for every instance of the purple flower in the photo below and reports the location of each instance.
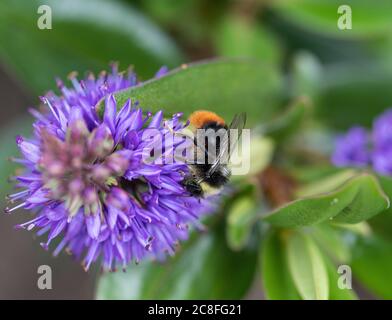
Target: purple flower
(86, 179)
(382, 161)
(352, 149)
(382, 140)
(382, 131)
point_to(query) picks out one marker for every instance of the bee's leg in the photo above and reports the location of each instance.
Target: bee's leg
(192, 186)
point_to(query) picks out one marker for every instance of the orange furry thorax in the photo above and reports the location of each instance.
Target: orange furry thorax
(199, 118)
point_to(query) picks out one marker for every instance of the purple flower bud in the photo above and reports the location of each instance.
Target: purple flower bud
(117, 163)
(100, 173)
(55, 169)
(101, 142)
(76, 186)
(90, 196)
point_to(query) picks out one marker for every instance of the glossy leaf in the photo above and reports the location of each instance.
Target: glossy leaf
(360, 198)
(277, 282)
(307, 267)
(369, 200)
(85, 35)
(225, 86)
(204, 269)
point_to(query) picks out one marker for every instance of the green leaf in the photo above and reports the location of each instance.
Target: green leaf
(277, 282)
(85, 35)
(225, 86)
(362, 228)
(326, 184)
(322, 16)
(190, 20)
(204, 269)
(241, 215)
(237, 36)
(382, 223)
(360, 198)
(372, 265)
(307, 74)
(307, 175)
(284, 125)
(369, 200)
(307, 267)
(335, 293)
(345, 91)
(331, 241)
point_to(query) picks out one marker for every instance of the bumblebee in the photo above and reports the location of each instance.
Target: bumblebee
(212, 173)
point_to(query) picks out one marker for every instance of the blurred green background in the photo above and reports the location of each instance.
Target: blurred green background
(347, 74)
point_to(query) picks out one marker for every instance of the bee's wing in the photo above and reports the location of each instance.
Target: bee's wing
(227, 146)
(199, 149)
